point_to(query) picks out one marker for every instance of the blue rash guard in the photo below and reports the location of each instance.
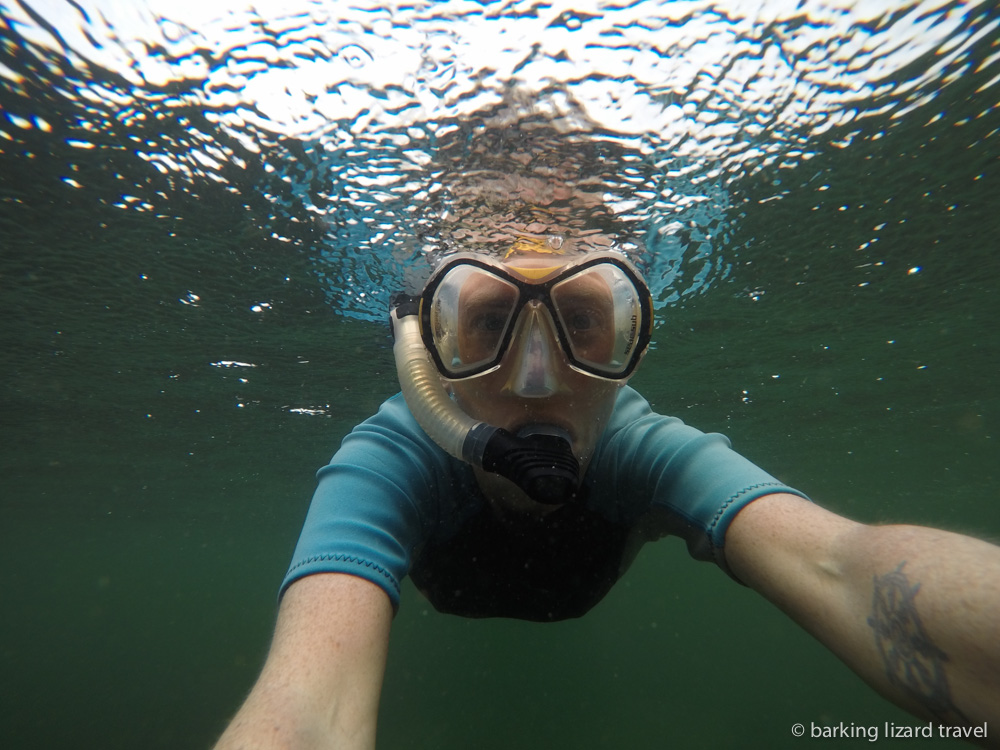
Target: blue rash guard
(391, 503)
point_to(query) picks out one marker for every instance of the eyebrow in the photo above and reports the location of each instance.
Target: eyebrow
(487, 292)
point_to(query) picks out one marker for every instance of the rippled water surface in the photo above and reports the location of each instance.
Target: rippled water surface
(204, 207)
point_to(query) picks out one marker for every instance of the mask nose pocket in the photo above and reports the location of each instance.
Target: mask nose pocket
(533, 373)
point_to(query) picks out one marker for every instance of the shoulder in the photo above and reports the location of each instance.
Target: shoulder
(383, 493)
(392, 441)
(635, 426)
(394, 415)
(390, 455)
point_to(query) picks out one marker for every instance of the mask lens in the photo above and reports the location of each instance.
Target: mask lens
(600, 313)
(470, 314)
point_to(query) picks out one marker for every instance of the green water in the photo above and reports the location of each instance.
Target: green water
(151, 500)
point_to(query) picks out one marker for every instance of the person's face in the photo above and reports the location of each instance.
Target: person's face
(534, 382)
(585, 305)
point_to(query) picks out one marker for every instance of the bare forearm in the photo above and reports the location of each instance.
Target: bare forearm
(321, 683)
(274, 719)
(914, 611)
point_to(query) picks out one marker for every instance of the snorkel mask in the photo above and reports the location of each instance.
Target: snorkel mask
(592, 313)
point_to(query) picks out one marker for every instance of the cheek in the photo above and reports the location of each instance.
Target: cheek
(479, 397)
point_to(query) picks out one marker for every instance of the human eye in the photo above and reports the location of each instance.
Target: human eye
(488, 321)
(582, 320)
(588, 326)
(584, 311)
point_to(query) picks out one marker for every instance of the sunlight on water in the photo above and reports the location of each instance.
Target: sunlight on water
(360, 124)
(191, 193)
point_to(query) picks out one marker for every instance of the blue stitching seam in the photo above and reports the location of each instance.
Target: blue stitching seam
(339, 557)
(722, 509)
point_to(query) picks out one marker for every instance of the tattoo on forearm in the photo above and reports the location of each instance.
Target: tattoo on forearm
(912, 662)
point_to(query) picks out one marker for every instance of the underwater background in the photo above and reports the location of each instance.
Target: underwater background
(192, 302)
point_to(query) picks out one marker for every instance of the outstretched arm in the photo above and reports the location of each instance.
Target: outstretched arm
(321, 683)
(914, 611)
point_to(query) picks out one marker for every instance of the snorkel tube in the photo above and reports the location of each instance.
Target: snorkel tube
(539, 458)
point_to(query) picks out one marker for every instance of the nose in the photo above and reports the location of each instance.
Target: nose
(536, 355)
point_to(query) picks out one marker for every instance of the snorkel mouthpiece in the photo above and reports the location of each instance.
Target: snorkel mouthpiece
(539, 459)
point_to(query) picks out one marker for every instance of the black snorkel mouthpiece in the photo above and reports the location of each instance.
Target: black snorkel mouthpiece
(539, 460)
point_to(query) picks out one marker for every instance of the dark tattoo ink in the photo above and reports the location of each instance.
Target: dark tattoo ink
(912, 662)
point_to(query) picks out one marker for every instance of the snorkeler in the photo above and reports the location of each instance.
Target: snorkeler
(518, 475)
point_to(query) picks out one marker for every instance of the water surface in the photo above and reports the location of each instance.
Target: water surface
(189, 333)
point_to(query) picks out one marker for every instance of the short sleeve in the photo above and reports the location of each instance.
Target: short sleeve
(694, 481)
(374, 502)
